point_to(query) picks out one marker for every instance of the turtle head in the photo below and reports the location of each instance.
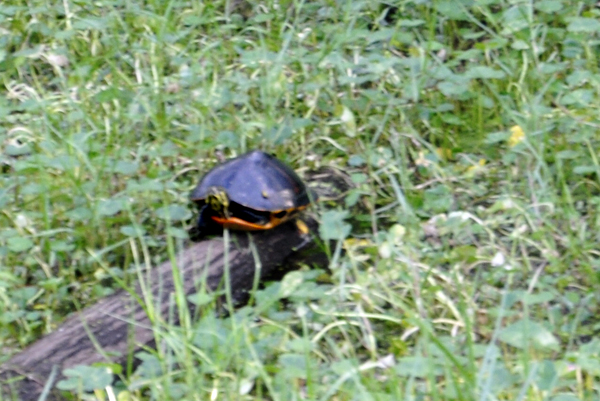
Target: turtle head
(218, 201)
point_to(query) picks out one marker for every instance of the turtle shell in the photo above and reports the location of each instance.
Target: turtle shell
(262, 192)
(255, 180)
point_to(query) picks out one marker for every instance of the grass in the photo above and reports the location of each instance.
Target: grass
(470, 263)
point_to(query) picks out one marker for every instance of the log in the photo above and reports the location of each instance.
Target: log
(108, 323)
(104, 331)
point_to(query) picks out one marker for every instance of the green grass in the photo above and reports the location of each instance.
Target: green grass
(471, 263)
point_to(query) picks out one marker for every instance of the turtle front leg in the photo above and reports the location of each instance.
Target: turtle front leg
(206, 225)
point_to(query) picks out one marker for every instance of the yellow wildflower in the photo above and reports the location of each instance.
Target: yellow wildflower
(516, 136)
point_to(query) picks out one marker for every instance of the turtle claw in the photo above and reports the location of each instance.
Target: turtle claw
(304, 234)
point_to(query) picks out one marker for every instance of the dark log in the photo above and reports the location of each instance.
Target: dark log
(110, 321)
(106, 327)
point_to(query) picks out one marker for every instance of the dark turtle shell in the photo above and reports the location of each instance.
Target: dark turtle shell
(260, 192)
(255, 180)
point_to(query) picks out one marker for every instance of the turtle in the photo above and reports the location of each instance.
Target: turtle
(252, 192)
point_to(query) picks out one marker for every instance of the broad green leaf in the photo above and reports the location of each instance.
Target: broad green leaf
(200, 298)
(177, 233)
(293, 365)
(343, 366)
(151, 366)
(451, 88)
(548, 6)
(15, 149)
(483, 72)
(514, 19)
(581, 97)
(19, 244)
(90, 23)
(547, 375)
(227, 138)
(309, 291)
(452, 9)
(520, 45)
(126, 167)
(333, 226)
(579, 77)
(526, 333)
(437, 199)
(410, 23)
(145, 184)
(588, 25)
(110, 207)
(133, 231)
(79, 214)
(568, 154)
(542, 297)
(416, 366)
(174, 213)
(356, 161)
(565, 397)
(583, 170)
(290, 283)
(86, 378)
(495, 137)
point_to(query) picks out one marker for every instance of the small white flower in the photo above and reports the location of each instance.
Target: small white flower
(498, 259)
(305, 32)
(385, 250)
(22, 221)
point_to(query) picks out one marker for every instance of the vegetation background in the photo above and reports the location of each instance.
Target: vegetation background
(471, 262)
